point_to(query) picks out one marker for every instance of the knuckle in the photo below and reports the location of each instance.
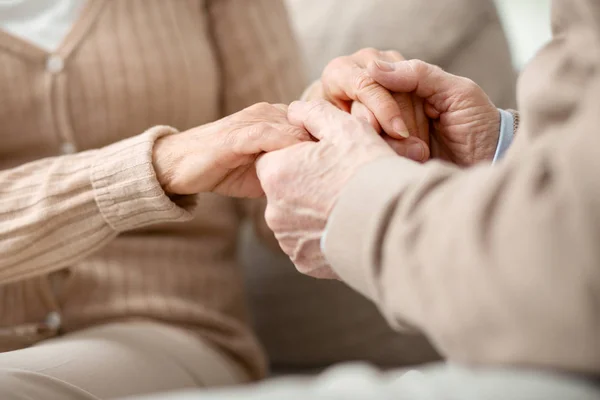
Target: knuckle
(261, 107)
(392, 55)
(257, 131)
(470, 85)
(418, 66)
(363, 82)
(335, 65)
(297, 133)
(367, 52)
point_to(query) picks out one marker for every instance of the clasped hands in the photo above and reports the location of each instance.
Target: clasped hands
(367, 106)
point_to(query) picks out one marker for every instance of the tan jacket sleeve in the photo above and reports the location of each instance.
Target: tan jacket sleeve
(496, 264)
(59, 210)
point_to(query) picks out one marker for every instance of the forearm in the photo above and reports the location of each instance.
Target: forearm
(59, 210)
(477, 258)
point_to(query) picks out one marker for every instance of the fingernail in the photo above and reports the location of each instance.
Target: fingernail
(385, 66)
(399, 127)
(415, 152)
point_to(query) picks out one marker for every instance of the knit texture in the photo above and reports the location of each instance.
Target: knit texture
(91, 235)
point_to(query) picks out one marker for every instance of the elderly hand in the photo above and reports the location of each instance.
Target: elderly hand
(219, 157)
(303, 182)
(466, 124)
(346, 83)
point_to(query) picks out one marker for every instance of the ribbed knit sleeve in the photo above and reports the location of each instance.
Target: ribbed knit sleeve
(56, 211)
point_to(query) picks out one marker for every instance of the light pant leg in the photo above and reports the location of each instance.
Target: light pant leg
(114, 360)
(438, 382)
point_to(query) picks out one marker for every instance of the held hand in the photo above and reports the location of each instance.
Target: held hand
(219, 157)
(415, 147)
(346, 80)
(303, 182)
(466, 124)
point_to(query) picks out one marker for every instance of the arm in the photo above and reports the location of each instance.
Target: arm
(265, 66)
(496, 264)
(57, 211)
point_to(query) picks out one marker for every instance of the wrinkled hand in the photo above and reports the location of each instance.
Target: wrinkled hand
(346, 83)
(219, 157)
(303, 182)
(466, 124)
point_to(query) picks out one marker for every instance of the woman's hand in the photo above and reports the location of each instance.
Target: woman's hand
(219, 157)
(346, 83)
(466, 124)
(346, 80)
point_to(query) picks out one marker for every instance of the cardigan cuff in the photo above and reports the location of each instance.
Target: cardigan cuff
(126, 189)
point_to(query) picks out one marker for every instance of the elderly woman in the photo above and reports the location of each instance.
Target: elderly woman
(101, 295)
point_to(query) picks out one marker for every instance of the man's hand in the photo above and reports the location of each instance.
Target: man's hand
(466, 124)
(303, 182)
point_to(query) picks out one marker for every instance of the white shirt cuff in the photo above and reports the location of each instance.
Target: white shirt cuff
(506, 134)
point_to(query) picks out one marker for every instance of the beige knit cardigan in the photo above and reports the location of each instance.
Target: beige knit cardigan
(86, 232)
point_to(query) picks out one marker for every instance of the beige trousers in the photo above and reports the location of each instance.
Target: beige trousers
(112, 361)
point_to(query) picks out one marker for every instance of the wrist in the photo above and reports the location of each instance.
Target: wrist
(164, 160)
(489, 137)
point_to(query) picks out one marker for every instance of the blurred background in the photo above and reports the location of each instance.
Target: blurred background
(527, 26)
(526, 22)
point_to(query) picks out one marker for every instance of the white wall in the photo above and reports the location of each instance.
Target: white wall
(527, 24)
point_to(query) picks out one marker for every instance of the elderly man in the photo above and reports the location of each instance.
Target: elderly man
(498, 265)
(465, 37)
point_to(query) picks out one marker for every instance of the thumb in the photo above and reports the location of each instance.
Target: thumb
(425, 80)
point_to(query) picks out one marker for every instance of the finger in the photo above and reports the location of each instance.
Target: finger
(363, 113)
(407, 110)
(267, 137)
(416, 76)
(321, 119)
(431, 111)
(412, 148)
(421, 118)
(273, 168)
(262, 165)
(405, 104)
(345, 80)
(404, 101)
